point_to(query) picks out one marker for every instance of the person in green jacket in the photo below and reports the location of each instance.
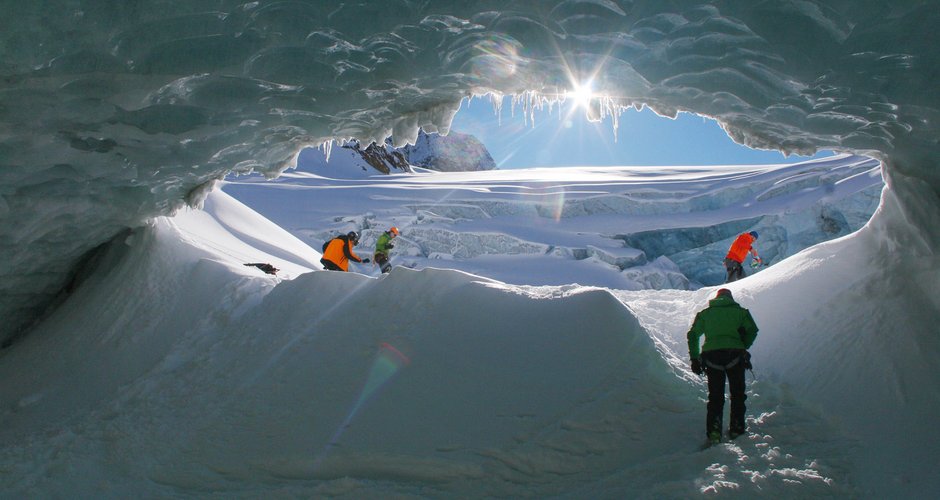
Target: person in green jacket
(729, 332)
(382, 247)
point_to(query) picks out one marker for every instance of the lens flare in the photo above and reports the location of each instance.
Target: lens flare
(388, 362)
(555, 203)
(496, 57)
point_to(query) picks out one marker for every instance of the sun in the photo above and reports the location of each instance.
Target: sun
(581, 94)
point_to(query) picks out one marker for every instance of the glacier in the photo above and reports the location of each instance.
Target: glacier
(635, 227)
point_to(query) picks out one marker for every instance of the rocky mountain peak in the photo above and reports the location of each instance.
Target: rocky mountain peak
(455, 152)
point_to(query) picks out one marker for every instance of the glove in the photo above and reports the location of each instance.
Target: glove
(746, 358)
(697, 366)
(390, 246)
(365, 260)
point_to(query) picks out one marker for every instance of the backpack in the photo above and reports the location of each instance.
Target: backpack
(327, 242)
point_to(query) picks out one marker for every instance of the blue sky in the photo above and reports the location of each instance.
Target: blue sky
(643, 138)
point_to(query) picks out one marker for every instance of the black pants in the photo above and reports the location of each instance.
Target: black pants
(716, 389)
(329, 265)
(382, 260)
(735, 270)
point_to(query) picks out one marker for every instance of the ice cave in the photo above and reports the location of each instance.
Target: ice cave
(115, 114)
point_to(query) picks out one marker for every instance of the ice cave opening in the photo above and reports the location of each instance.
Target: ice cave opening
(114, 114)
(654, 246)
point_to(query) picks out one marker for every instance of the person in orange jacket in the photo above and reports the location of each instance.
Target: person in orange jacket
(742, 245)
(338, 252)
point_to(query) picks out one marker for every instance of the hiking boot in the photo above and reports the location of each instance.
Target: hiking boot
(714, 437)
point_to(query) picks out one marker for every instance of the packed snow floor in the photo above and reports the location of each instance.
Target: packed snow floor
(174, 370)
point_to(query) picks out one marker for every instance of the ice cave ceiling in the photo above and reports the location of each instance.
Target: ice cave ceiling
(116, 111)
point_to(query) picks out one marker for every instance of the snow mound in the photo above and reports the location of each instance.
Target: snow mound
(339, 384)
(325, 376)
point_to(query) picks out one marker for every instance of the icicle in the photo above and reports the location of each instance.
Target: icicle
(497, 101)
(530, 101)
(608, 107)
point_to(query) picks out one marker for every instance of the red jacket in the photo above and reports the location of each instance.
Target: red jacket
(740, 247)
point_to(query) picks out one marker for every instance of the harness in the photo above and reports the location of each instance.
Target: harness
(716, 366)
(733, 362)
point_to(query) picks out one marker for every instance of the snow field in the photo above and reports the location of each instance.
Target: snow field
(349, 386)
(617, 227)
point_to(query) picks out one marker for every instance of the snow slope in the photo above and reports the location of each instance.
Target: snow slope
(347, 386)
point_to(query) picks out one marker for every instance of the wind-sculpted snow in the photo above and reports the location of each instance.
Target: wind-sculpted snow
(113, 112)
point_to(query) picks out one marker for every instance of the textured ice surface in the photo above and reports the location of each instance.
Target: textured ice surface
(113, 112)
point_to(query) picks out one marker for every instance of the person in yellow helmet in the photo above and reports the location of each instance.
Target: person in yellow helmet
(382, 247)
(338, 252)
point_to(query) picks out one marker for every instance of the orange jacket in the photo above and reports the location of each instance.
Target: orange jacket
(740, 248)
(339, 251)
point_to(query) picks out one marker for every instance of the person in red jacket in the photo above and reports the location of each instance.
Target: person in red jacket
(742, 245)
(338, 252)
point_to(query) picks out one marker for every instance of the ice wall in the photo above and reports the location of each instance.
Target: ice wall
(112, 112)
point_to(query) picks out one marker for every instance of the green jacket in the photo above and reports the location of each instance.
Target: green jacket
(381, 245)
(725, 324)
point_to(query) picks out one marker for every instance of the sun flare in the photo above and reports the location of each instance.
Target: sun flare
(581, 94)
